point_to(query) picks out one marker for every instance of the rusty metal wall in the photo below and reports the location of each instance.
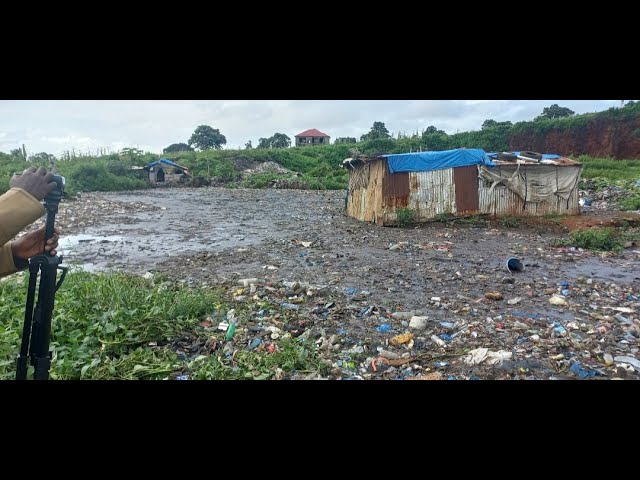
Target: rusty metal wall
(430, 193)
(465, 180)
(502, 201)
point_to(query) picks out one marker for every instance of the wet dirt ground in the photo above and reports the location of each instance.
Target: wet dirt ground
(442, 272)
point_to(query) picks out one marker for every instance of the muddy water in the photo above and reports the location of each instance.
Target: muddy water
(212, 235)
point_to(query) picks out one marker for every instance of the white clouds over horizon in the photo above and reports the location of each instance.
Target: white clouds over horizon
(54, 126)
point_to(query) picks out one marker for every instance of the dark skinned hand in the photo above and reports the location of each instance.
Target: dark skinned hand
(31, 244)
(37, 182)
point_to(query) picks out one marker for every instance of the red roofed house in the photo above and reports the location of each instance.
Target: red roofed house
(312, 137)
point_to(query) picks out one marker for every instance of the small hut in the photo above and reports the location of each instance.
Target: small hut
(461, 182)
(164, 171)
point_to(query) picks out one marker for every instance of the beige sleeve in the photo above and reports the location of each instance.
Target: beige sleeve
(6, 260)
(18, 209)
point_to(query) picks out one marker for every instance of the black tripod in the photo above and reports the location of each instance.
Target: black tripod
(37, 323)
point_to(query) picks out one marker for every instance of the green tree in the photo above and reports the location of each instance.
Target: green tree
(378, 130)
(555, 111)
(346, 140)
(43, 158)
(248, 145)
(492, 123)
(19, 153)
(431, 130)
(177, 147)
(280, 140)
(207, 138)
(277, 140)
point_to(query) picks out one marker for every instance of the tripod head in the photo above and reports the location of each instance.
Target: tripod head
(52, 200)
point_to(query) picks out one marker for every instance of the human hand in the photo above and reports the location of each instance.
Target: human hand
(31, 244)
(37, 182)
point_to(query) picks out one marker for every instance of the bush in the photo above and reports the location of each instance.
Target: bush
(597, 238)
(405, 217)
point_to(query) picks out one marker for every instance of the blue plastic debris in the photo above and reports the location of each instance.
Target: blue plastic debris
(565, 292)
(451, 377)
(384, 328)
(254, 343)
(341, 331)
(448, 324)
(582, 372)
(350, 290)
(446, 337)
(521, 340)
(182, 377)
(564, 284)
(440, 364)
(559, 329)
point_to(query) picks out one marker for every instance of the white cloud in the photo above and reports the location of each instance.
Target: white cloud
(54, 126)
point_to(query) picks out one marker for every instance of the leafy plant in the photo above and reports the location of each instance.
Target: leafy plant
(405, 217)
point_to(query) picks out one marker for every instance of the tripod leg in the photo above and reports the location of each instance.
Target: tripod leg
(22, 362)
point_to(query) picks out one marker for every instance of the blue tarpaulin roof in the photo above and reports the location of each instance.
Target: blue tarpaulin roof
(426, 161)
(163, 161)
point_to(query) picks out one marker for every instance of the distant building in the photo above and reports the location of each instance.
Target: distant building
(312, 137)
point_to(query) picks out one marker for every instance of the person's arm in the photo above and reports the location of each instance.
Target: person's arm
(18, 209)
(7, 265)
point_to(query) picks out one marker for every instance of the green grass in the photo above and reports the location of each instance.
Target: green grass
(509, 221)
(610, 169)
(600, 239)
(116, 326)
(630, 202)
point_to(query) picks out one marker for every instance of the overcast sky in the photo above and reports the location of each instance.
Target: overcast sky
(54, 126)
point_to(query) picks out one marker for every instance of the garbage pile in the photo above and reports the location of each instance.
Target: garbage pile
(590, 331)
(596, 194)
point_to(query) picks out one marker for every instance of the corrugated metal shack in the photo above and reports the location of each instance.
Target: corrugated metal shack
(164, 171)
(460, 182)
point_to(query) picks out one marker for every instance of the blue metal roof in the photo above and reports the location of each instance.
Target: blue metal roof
(164, 161)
